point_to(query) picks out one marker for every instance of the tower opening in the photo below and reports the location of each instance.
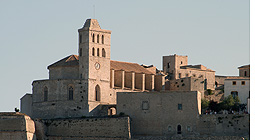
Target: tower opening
(97, 93)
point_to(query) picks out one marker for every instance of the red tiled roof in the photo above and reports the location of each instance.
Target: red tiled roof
(73, 60)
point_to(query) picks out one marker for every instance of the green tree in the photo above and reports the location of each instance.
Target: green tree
(204, 103)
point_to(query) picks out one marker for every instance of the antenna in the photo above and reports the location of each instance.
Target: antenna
(94, 13)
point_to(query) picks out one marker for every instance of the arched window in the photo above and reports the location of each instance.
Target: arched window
(97, 93)
(80, 51)
(45, 93)
(245, 73)
(93, 38)
(102, 39)
(103, 53)
(234, 94)
(97, 51)
(93, 51)
(97, 38)
(70, 93)
(179, 129)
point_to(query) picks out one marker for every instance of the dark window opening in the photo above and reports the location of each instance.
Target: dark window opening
(97, 51)
(179, 129)
(93, 51)
(103, 53)
(93, 38)
(234, 83)
(179, 106)
(245, 73)
(97, 93)
(70, 93)
(243, 82)
(97, 38)
(102, 39)
(80, 51)
(45, 94)
(234, 94)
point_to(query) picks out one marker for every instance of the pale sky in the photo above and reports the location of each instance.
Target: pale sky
(35, 34)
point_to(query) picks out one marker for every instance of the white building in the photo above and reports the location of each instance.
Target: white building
(238, 87)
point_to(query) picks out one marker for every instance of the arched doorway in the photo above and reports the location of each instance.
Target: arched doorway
(179, 129)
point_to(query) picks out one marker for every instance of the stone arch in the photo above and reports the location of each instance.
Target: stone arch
(103, 53)
(45, 93)
(70, 92)
(97, 93)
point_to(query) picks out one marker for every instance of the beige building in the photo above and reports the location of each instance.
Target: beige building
(166, 113)
(86, 85)
(176, 67)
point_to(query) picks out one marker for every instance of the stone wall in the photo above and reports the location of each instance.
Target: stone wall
(71, 72)
(157, 113)
(94, 128)
(224, 125)
(16, 126)
(26, 104)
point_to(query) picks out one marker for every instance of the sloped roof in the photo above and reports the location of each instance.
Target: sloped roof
(244, 66)
(196, 67)
(129, 67)
(71, 60)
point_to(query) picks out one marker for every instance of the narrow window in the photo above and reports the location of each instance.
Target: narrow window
(145, 105)
(243, 82)
(180, 75)
(80, 51)
(187, 75)
(179, 129)
(97, 93)
(169, 128)
(93, 38)
(234, 83)
(97, 51)
(181, 62)
(103, 53)
(81, 76)
(93, 51)
(70, 93)
(188, 128)
(80, 39)
(45, 90)
(102, 39)
(179, 106)
(194, 75)
(168, 65)
(245, 73)
(97, 38)
(234, 94)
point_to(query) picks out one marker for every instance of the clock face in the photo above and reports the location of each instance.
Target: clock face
(97, 66)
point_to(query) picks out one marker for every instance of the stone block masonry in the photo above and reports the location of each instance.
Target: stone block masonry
(80, 128)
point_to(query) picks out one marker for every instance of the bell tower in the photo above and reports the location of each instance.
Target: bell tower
(94, 62)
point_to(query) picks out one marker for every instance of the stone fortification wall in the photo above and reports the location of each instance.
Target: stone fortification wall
(16, 126)
(89, 128)
(64, 72)
(224, 125)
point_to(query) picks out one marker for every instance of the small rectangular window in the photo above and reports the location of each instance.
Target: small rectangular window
(188, 128)
(234, 83)
(243, 82)
(179, 106)
(169, 128)
(194, 75)
(187, 75)
(145, 105)
(180, 75)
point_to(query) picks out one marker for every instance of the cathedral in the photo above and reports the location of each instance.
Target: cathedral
(86, 85)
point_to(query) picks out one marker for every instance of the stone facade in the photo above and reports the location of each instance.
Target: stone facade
(186, 84)
(238, 87)
(161, 113)
(244, 71)
(177, 67)
(16, 126)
